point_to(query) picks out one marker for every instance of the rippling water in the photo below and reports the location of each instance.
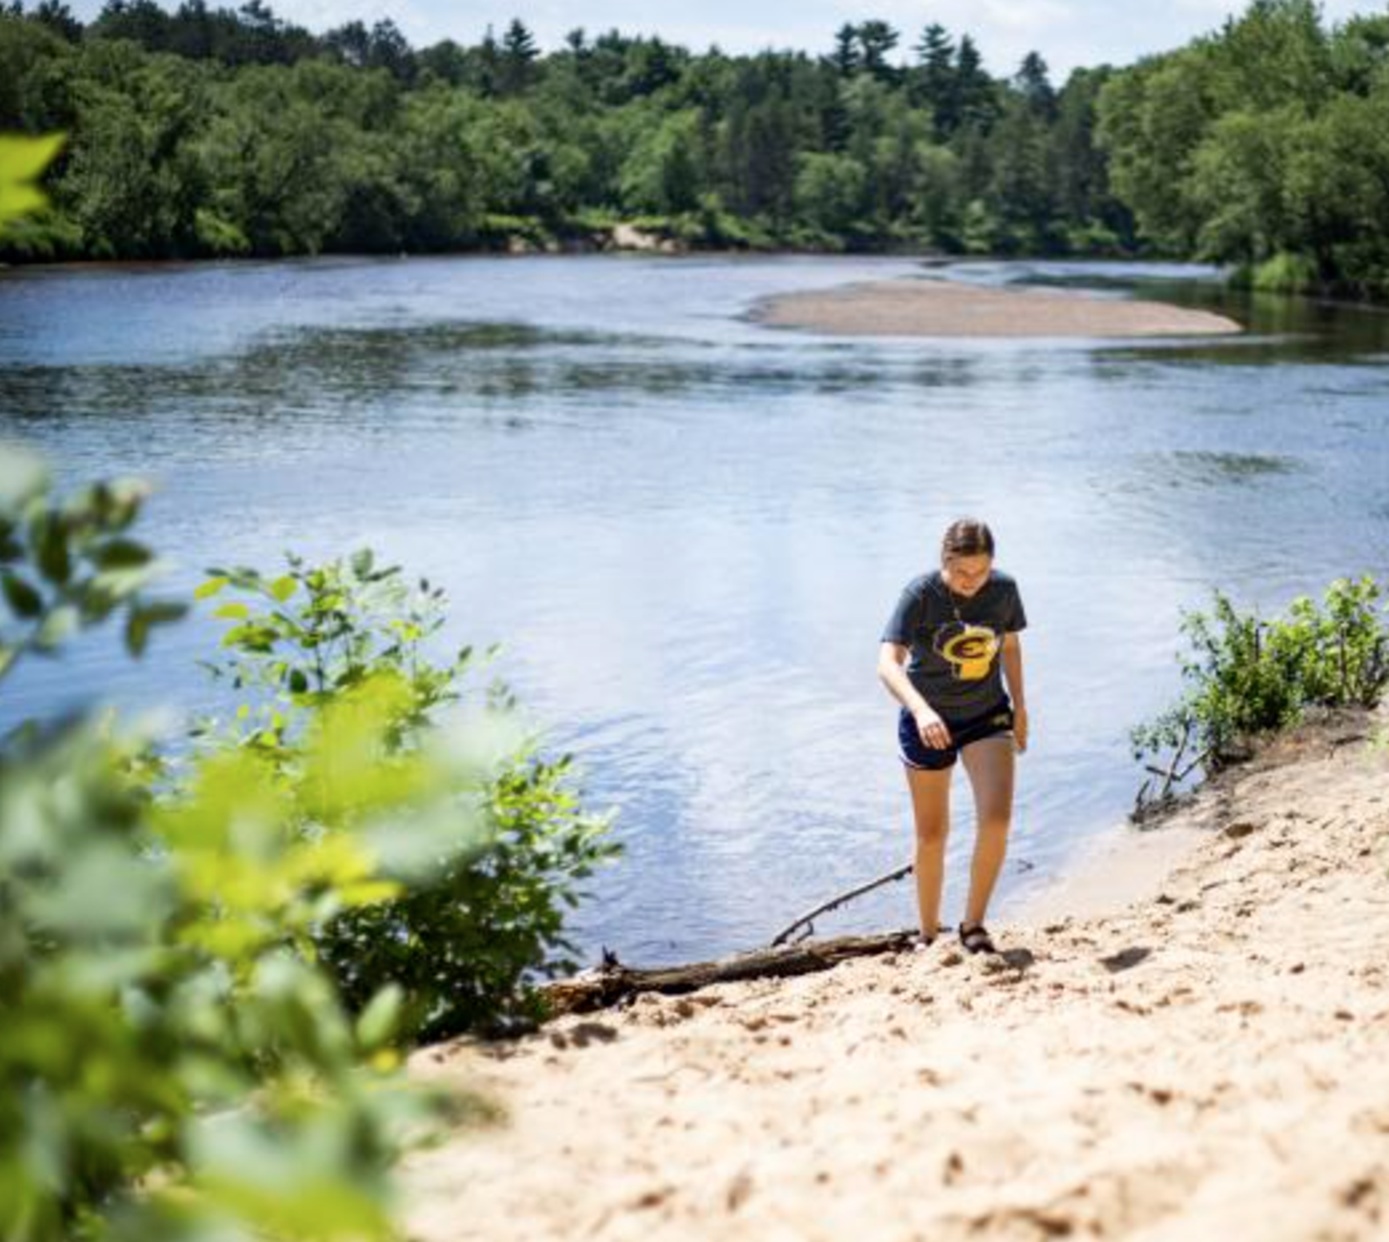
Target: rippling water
(687, 530)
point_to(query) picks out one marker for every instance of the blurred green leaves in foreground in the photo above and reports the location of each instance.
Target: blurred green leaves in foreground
(22, 162)
(212, 959)
(65, 566)
(172, 1065)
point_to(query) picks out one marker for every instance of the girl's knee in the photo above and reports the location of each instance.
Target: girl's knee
(932, 835)
(997, 825)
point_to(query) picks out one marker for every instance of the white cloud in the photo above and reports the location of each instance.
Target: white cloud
(416, 21)
(1038, 15)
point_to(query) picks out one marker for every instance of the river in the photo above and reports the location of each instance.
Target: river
(686, 530)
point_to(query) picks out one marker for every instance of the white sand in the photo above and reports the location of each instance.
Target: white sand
(1211, 1062)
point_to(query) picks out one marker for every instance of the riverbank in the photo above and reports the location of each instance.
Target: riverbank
(942, 308)
(1212, 1059)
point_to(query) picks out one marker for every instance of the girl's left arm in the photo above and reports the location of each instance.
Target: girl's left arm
(1012, 674)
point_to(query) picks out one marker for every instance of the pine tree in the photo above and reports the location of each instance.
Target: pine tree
(1033, 84)
(845, 57)
(876, 39)
(975, 102)
(489, 64)
(935, 78)
(519, 53)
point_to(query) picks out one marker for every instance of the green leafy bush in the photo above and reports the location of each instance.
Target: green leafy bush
(1285, 273)
(467, 945)
(1246, 676)
(173, 1062)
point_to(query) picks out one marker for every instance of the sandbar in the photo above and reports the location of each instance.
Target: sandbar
(944, 308)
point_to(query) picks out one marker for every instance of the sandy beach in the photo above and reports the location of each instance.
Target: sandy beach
(1210, 1060)
(942, 308)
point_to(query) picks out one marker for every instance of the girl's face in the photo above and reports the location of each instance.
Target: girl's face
(966, 575)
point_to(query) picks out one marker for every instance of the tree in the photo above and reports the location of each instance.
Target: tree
(194, 31)
(134, 177)
(1021, 187)
(757, 157)
(58, 18)
(444, 61)
(1084, 199)
(351, 42)
(936, 199)
(323, 158)
(141, 21)
(440, 168)
(876, 39)
(1034, 85)
(662, 174)
(486, 69)
(934, 80)
(1237, 186)
(1273, 54)
(1359, 54)
(516, 69)
(1337, 188)
(829, 192)
(975, 101)
(388, 49)
(651, 66)
(1152, 120)
(846, 57)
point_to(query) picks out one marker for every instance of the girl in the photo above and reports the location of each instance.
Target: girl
(946, 653)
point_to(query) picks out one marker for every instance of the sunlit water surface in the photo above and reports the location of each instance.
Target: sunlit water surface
(687, 530)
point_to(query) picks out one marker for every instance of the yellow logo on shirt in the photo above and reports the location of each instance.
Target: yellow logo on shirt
(970, 649)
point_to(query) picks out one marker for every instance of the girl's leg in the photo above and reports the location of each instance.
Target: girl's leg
(990, 766)
(931, 813)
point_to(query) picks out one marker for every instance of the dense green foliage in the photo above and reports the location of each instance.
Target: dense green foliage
(1265, 146)
(230, 132)
(220, 132)
(465, 944)
(1246, 676)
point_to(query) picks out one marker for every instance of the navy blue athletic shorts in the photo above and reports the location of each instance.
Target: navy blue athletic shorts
(915, 753)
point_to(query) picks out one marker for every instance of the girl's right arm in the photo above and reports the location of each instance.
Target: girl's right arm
(892, 672)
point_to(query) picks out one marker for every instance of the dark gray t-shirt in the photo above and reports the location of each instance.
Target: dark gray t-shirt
(955, 642)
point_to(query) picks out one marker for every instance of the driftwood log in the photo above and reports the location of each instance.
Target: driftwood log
(612, 982)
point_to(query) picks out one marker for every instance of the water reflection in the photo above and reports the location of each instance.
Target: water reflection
(1203, 468)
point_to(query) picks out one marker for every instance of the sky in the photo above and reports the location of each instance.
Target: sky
(1068, 33)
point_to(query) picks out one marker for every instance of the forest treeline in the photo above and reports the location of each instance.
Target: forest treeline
(204, 132)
